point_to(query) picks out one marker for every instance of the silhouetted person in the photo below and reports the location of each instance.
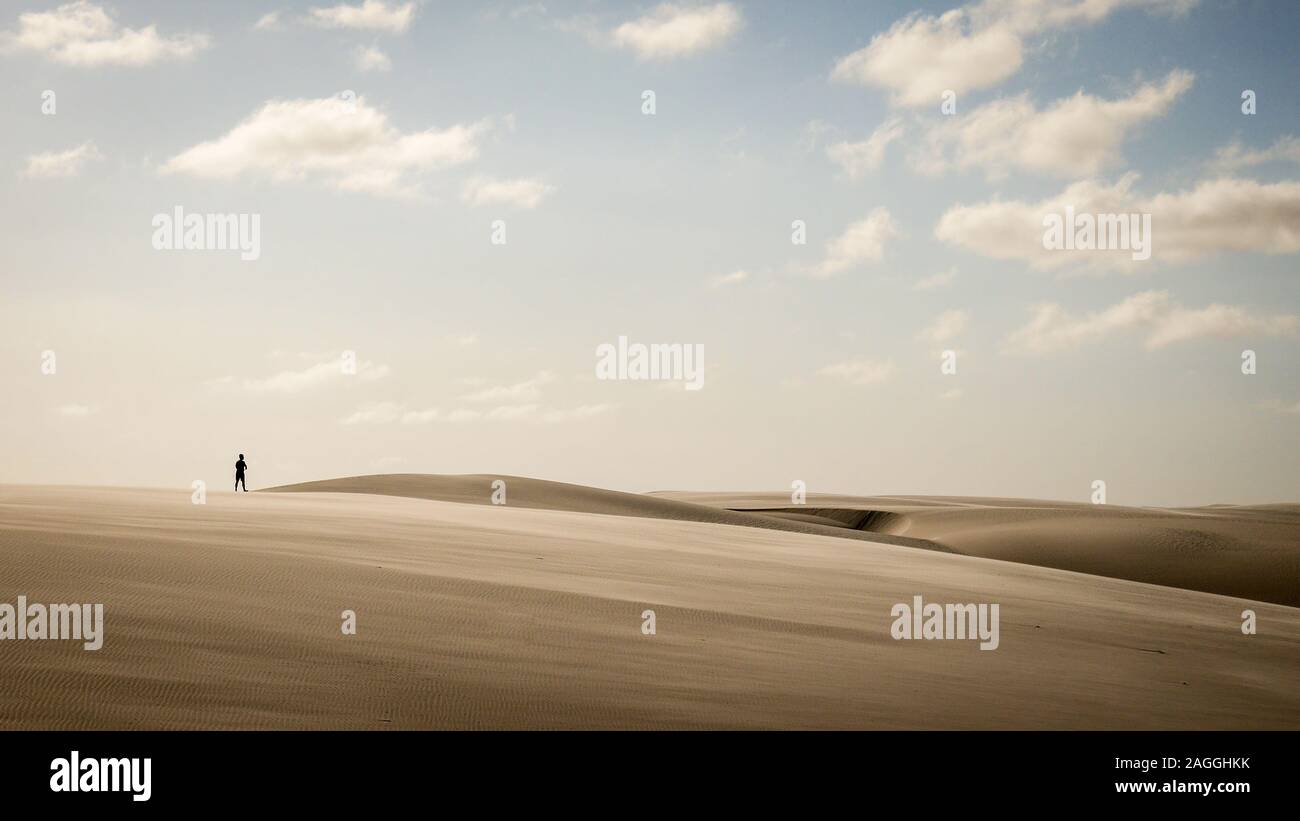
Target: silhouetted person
(240, 467)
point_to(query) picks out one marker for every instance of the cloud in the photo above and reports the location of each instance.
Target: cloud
(85, 35)
(859, 371)
(936, 281)
(856, 159)
(462, 415)
(374, 413)
(677, 31)
(511, 412)
(527, 390)
(945, 327)
(372, 15)
(814, 133)
(1223, 214)
(580, 412)
(528, 10)
(347, 143)
(268, 22)
(734, 278)
(968, 48)
(920, 57)
(61, 164)
(1076, 136)
(369, 58)
(519, 193)
(1234, 156)
(1164, 322)
(863, 241)
(296, 381)
(382, 413)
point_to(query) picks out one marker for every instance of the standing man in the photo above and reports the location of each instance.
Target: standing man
(240, 467)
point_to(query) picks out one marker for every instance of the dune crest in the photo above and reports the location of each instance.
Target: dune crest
(1247, 551)
(542, 494)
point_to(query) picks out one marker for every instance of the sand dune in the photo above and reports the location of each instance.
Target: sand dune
(1247, 551)
(227, 615)
(546, 495)
(1252, 552)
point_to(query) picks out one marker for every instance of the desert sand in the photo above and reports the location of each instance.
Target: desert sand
(1247, 551)
(529, 615)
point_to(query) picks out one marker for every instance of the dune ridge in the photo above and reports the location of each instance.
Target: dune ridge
(542, 494)
(1247, 551)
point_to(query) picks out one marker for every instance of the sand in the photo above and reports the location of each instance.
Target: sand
(469, 615)
(1247, 551)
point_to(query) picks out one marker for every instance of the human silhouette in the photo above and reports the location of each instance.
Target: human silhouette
(240, 467)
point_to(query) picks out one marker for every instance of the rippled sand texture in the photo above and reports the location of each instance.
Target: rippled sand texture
(227, 615)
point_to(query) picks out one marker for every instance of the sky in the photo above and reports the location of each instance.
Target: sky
(384, 150)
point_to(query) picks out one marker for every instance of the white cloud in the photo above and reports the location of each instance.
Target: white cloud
(525, 391)
(580, 412)
(61, 164)
(373, 15)
(862, 242)
(511, 412)
(463, 415)
(1235, 156)
(734, 278)
(968, 48)
(300, 380)
(374, 413)
(860, 371)
(814, 133)
(417, 417)
(383, 413)
(856, 159)
(1163, 321)
(1224, 214)
(935, 281)
(519, 193)
(84, 34)
(945, 327)
(1076, 136)
(528, 10)
(347, 143)
(369, 58)
(920, 57)
(676, 31)
(268, 22)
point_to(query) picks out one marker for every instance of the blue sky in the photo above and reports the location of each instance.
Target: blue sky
(167, 360)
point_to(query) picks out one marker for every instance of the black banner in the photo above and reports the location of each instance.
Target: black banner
(148, 771)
